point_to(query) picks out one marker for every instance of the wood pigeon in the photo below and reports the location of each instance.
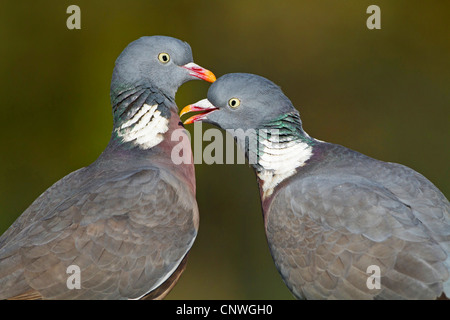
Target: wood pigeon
(339, 224)
(124, 224)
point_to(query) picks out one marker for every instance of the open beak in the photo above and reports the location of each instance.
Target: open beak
(203, 105)
(199, 72)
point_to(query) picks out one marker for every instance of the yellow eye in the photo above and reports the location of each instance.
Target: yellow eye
(234, 102)
(164, 57)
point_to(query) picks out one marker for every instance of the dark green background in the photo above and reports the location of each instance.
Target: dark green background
(385, 93)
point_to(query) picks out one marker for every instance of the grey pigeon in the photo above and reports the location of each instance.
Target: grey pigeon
(120, 228)
(339, 224)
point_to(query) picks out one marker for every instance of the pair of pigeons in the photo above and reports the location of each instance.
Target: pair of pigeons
(127, 221)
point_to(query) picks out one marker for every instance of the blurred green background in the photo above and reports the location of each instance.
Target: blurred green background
(385, 93)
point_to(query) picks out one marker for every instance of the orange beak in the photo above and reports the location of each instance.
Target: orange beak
(203, 105)
(199, 72)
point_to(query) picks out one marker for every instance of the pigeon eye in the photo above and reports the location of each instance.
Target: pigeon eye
(234, 102)
(164, 57)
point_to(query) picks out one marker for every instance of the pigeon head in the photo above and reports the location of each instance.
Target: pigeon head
(241, 101)
(263, 122)
(146, 77)
(158, 62)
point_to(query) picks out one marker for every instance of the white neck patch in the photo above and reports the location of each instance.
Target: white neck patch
(145, 129)
(279, 161)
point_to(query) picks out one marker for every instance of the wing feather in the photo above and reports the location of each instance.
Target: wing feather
(127, 234)
(324, 231)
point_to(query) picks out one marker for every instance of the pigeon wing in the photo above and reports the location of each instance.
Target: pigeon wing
(325, 231)
(126, 235)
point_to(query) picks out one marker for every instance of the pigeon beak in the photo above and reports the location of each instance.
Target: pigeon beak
(202, 105)
(199, 72)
